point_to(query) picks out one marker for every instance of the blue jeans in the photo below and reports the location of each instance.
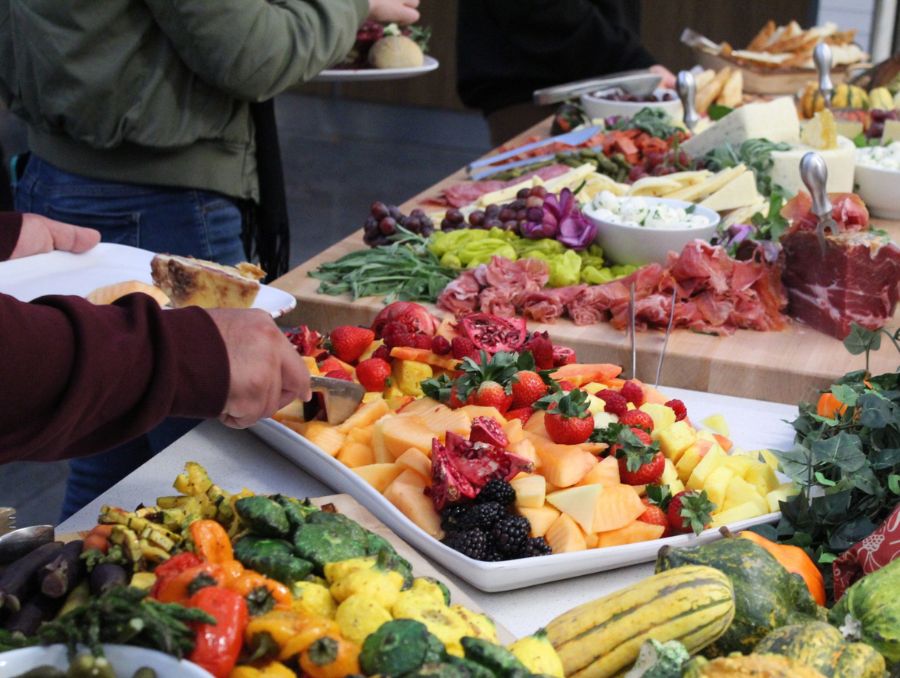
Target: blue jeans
(160, 219)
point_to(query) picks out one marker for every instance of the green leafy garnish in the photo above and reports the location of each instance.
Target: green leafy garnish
(653, 121)
(718, 111)
(756, 154)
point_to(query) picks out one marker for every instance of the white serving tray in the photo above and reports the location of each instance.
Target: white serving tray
(754, 425)
(79, 274)
(376, 74)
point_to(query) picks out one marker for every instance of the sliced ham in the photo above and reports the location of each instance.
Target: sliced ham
(547, 306)
(460, 296)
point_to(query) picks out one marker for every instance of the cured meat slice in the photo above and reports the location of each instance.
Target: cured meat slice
(460, 296)
(547, 306)
(496, 300)
(467, 192)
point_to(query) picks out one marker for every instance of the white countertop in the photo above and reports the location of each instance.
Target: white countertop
(237, 459)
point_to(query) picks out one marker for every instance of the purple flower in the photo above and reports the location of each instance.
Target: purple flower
(574, 229)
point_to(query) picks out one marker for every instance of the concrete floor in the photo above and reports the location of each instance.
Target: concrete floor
(339, 156)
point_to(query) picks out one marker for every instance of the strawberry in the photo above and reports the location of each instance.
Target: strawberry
(645, 471)
(492, 394)
(454, 400)
(568, 421)
(655, 516)
(521, 413)
(689, 510)
(633, 393)
(349, 342)
(338, 374)
(679, 409)
(527, 386)
(374, 374)
(637, 419)
(463, 347)
(614, 402)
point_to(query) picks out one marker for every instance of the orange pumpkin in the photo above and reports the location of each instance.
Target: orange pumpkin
(829, 406)
(795, 560)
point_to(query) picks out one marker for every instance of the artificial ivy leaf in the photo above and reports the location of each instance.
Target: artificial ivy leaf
(796, 463)
(843, 450)
(832, 507)
(822, 480)
(827, 558)
(864, 480)
(861, 339)
(894, 483)
(882, 459)
(876, 411)
(850, 532)
(845, 394)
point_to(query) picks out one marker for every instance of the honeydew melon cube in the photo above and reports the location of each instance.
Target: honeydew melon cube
(740, 492)
(710, 462)
(717, 424)
(716, 484)
(779, 494)
(530, 491)
(675, 439)
(736, 513)
(578, 502)
(663, 417)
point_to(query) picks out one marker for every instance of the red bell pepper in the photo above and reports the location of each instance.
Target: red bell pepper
(172, 568)
(218, 645)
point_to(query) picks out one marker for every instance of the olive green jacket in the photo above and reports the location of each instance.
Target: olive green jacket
(158, 91)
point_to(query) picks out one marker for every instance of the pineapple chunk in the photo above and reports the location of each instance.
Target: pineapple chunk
(739, 464)
(530, 491)
(710, 462)
(408, 375)
(740, 512)
(717, 424)
(762, 476)
(675, 439)
(540, 518)
(779, 494)
(670, 477)
(663, 417)
(687, 462)
(740, 492)
(716, 484)
(595, 405)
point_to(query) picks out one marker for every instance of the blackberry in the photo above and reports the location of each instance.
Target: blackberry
(492, 555)
(510, 534)
(537, 546)
(485, 515)
(497, 490)
(455, 516)
(472, 543)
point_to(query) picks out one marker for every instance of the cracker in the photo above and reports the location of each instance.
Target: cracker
(710, 93)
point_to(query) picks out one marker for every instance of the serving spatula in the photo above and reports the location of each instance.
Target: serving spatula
(341, 398)
(814, 173)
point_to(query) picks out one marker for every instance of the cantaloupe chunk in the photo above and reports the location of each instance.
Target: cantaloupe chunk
(420, 405)
(578, 502)
(416, 460)
(616, 507)
(361, 435)
(324, 436)
(541, 518)
(591, 540)
(366, 415)
(531, 490)
(724, 442)
(583, 373)
(564, 465)
(296, 426)
(293, 411)
(477, 411)
(513, 431)
(710, 462)
(382, 456)
(525, 449)
(564, 535)
(630, 534)
(407, 493)
(605, 473)
(740, 512)
(423, 355)
(405, 431)
(663, 417)
(355, 454)
(441, 419)
(379, 476)
(535, 424)
(652, 395)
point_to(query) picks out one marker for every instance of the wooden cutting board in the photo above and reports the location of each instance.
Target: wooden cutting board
(351, 508)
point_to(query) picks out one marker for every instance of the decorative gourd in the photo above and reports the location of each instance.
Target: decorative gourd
(691, 604)
(811, 100)
(750, 666)
(794, 560)
(822, 647)
(849, 96)
(766, 595)
(870, 611)
(881, 97)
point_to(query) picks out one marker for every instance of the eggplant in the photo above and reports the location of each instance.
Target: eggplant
(19, 579)
(63, 573)
(34, 612)
(106, 576)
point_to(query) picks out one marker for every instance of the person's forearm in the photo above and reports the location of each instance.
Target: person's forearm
(78, 379)
(10, 227)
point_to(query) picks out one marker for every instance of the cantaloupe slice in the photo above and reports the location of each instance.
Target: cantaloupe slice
(652, 395)
(579, 503)
(605, 473)
(513, 430)
(535, 424)
(616, 507)
(477, 411)
(361, 435)
(531, 490)
(420, 405)
(564, 465)
(591, 540)
(630, 534)
(407, 493)
(404, 431)
(583, 373)
(525, 449)
(379, 476)
(355, 454)
(725, 443)
(324, 436)
(366, 415)
(541, 518)
(441, 419)
(423, 355)
(416, 460)
(564, 535)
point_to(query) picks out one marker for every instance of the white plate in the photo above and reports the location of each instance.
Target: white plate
(374, 74)
(754, 425)
(79, 274)
(125, 660)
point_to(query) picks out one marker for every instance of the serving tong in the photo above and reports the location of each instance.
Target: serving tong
(631, 330)
(573, 138)
(814, 173)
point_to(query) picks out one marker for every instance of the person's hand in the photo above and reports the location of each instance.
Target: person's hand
(266, 371)
(668, 78)
(40, 234)
(399, 11)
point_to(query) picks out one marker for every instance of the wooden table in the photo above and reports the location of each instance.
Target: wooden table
(787, 366)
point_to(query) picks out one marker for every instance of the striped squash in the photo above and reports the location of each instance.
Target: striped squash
(693, 604)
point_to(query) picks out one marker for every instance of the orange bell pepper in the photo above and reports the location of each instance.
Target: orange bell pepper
(249, 580)
(795, 560)
(211, 541)
(292, 631)
(829, 406)
(330, 657)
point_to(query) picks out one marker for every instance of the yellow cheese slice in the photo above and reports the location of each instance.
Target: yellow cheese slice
(710, 186)
(891, 131)
(740, 192)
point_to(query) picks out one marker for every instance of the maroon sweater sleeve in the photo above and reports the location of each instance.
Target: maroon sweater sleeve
(10, 227)
(78, 379)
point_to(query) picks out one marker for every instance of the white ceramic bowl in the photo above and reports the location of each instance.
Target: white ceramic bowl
(639, 245)
(595, 106)
(125, 660)
(880, 190)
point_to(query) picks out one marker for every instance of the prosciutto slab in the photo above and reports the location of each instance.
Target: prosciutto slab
(856, 280)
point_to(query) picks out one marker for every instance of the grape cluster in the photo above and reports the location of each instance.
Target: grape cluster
(622, 95)
(528, 206)
(657, 164)
(383, 221)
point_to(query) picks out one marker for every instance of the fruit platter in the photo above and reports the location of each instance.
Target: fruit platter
(494, 451)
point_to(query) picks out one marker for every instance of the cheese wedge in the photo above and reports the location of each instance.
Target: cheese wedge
(710, 186)
(891, 131)
(739, 192)
(774, 120)
(840, 162)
